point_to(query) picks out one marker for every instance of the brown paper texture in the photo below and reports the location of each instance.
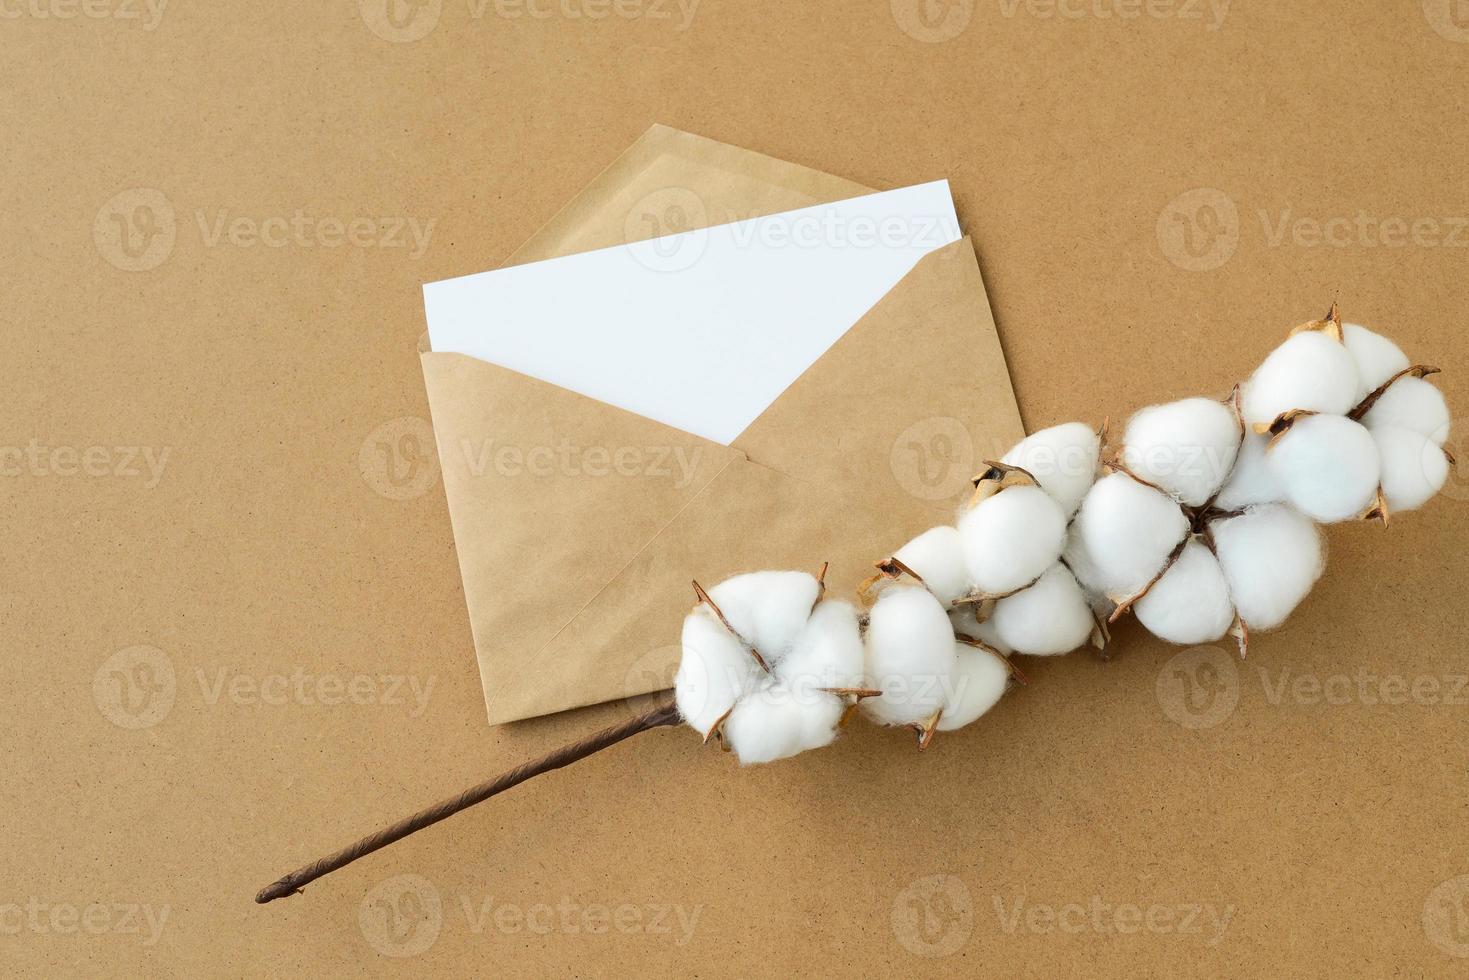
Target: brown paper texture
(1113, 171)
(576, 577)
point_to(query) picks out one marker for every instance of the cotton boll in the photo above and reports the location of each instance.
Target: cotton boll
(1079, 560)
(1310, 371)
(1414, 468)
(1185, 447)
(1252, 481)
(1063, 460)
(796, 704)
(1127, 530)
(1190, 603)
(716, 670)
(1376, 357)
(979, 681)
(937, 557)
(1011, 538)
(1271, 557)
(1411, 403)
(910, 656)
(1328, 466)
(827, 653)
(767, 609)
(776, 722)
(1049, 618)
(965, 620)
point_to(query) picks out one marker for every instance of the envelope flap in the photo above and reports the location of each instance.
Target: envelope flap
(908, 402)
(748, 517)
(671, 181)
(550, 493)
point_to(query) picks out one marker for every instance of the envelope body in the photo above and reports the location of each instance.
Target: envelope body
(579, 526)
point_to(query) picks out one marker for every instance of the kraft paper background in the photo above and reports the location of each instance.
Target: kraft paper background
(210, 666)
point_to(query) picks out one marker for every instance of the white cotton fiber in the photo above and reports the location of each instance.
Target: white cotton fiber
(1310, 371)
(937, 557)
(1190, 603)
(1328, 466)
(1252, 481)
(1376, 358)
(1414, 468)
(1271, 557)
(715, 671)
(1048, 619)
(1079, 560)
(1127, 531)
(1011, 538)
(910, 656)
(1063, 459)
(827, 653)
(979, 681)
(1412, 403)
(776, 722)
(1186, 447)
(767, 609)
(965, 620)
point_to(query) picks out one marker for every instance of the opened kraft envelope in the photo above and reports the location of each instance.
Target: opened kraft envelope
(576, 583)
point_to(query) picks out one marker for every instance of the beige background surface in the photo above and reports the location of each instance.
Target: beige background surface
(1154, 201)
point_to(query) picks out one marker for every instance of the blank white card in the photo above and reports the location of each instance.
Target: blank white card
(701, 330)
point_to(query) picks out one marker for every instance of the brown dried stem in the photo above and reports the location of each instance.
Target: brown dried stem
(1330, 325)
(1125, 604)
(661, 714)
(702, 595)
(1375, 395)
(997, 477)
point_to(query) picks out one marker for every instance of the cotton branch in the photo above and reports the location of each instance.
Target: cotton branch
(664, 713)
